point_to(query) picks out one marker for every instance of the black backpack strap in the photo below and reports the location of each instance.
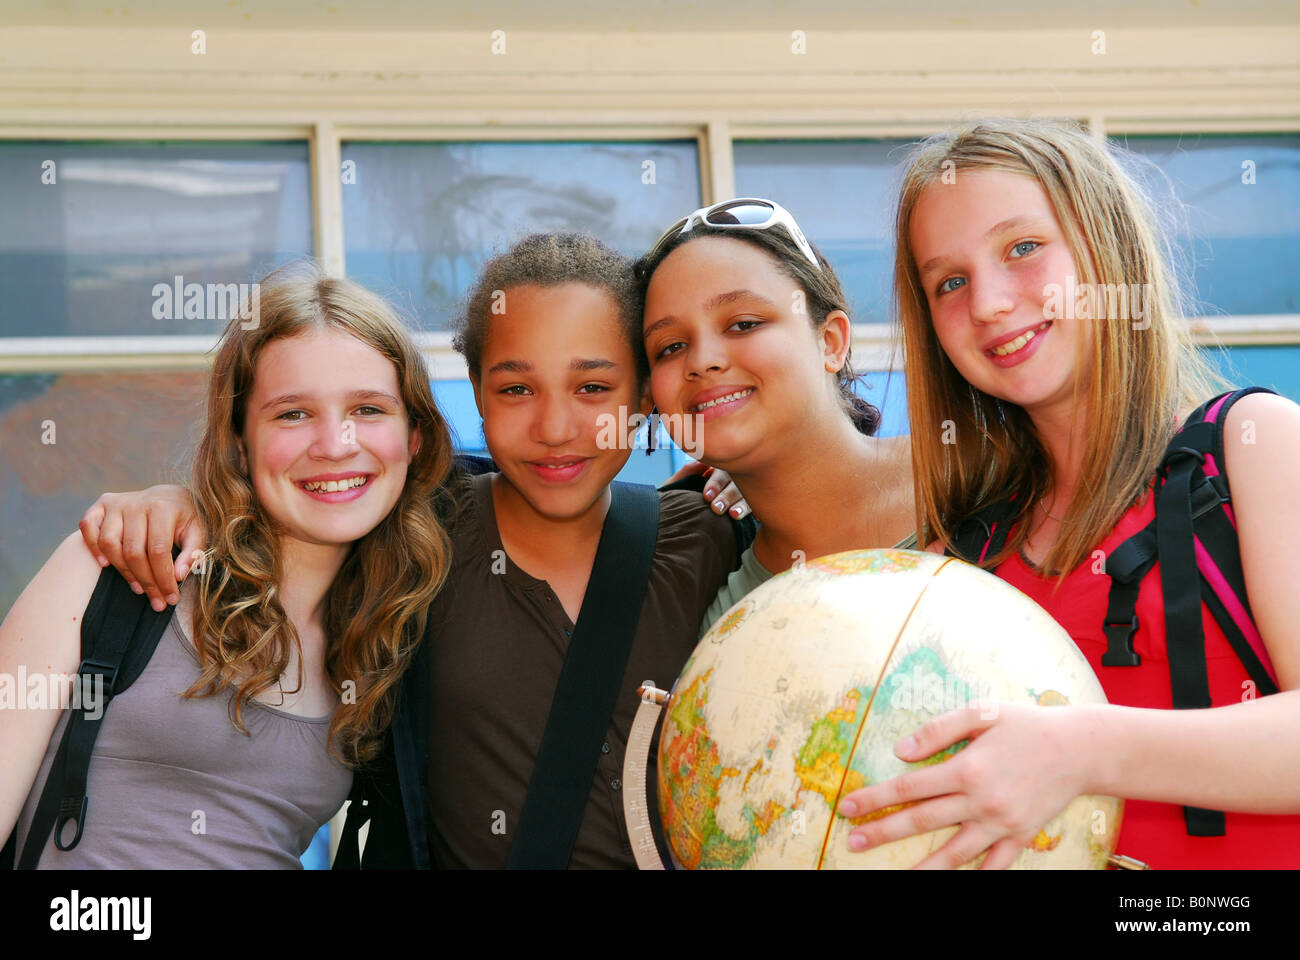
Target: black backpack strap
(984, 533)
(1180, 584)
(119, 634)
(1126, 566)
(590, 681)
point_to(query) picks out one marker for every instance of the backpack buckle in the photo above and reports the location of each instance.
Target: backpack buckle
(100, 668)
(70, 808)
(1119, 644)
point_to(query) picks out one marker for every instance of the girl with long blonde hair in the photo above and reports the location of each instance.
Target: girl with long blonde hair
(1048, 368)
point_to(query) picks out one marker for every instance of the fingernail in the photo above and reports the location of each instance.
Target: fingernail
(848, 808)
(136, 587)
(857, 843)
(157, 605)
(719, 506)
(103, 561)
(184, 569)
(710, 492)
(907, 745)
(737, 511)
(173, 598)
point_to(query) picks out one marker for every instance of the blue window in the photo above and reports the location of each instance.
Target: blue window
(421, 218)
(88, 230)
(1241, 234)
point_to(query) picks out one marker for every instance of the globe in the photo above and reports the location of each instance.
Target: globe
(798, 693)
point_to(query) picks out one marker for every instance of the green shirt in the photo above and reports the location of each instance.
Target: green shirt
(749, 575)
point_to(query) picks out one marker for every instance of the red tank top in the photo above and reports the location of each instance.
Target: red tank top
(1156, 833)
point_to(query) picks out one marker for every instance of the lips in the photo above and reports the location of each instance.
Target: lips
(558, 469)
(334, 482)
(1016, 340)
(718, 396)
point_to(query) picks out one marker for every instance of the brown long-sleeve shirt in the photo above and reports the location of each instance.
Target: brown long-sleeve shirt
(499, 639)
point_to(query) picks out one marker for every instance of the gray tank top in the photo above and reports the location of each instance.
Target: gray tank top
(172, 783)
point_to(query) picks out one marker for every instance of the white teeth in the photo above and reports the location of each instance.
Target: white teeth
(729, 397)
(334, 486)
(1011, 347)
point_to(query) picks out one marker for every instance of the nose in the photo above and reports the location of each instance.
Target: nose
(706, 355)
(554, 424)
(992, 296)
(336, 438)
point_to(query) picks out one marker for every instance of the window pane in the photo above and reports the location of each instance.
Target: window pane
(67, 438)
(421, 218)
(80, 255)
(842, 192)
(1244, 238)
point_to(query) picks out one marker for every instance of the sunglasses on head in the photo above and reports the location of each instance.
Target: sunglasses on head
(749, 213)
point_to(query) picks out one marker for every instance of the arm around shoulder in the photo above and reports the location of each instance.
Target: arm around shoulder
(40, 639)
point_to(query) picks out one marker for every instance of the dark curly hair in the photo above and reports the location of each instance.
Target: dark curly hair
(548, 260)
(821, 288)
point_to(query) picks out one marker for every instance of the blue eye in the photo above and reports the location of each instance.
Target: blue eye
(1030, 244)
(945, 288)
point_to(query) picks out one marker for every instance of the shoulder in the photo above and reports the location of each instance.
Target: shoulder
(1261, 448)
(49, 611)
(686, 510)
(1261, 445)
(1261, 420)
(686, 523)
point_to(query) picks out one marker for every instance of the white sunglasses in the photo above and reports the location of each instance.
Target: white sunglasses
(749, 213)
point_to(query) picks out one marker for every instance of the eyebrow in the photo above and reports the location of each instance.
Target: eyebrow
(1007, 224)
(720, 300)
(355, 395)
(580, 364)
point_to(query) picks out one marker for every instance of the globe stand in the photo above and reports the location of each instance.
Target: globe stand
(635, 763)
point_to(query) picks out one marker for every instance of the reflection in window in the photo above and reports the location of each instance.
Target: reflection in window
(842, 193)
(1240, 199)
(87, 230)
(421, 218)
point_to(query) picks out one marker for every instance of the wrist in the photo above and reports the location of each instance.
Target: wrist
(1097, 743)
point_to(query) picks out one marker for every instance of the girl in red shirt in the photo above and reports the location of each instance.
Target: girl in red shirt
(1025, 380)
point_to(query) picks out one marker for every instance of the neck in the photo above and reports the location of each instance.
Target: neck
(1062, 430)
(519, 523)
(809, 497)
(309, 570)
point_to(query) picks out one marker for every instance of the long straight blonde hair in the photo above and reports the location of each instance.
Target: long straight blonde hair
(1141, 382)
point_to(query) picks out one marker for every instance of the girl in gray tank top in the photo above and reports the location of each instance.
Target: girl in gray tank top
(317, 475)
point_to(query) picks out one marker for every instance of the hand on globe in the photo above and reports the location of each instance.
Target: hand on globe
(1021, 768)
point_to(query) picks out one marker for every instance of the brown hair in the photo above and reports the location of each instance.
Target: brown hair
(821, 288)
(377, 605)
(1113, 239)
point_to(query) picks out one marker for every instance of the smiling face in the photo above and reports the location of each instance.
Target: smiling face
(987, 246)
(727, 343)
(557, 369)
(326, 437)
